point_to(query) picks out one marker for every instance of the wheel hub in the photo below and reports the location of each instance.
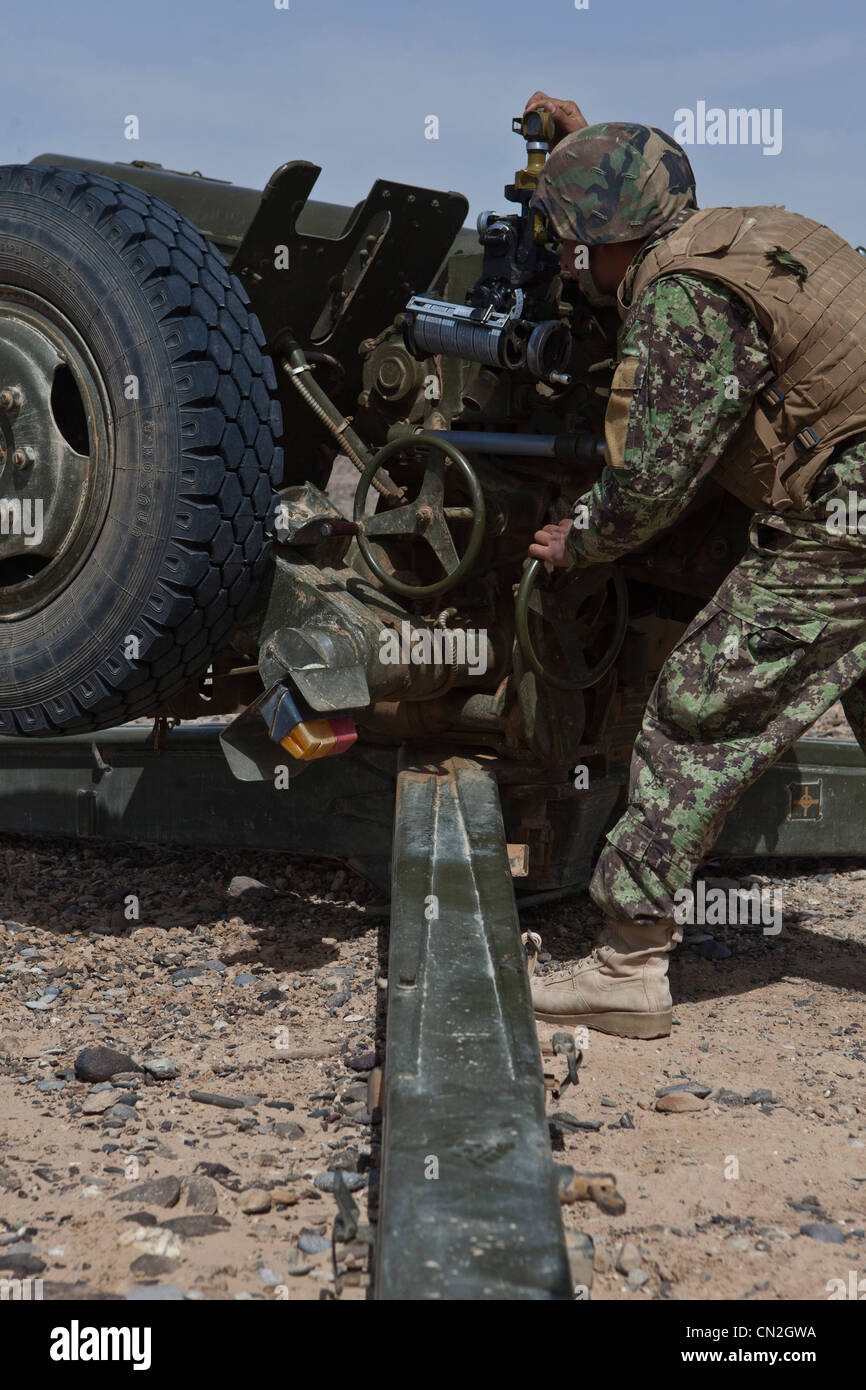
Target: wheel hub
(54, 453)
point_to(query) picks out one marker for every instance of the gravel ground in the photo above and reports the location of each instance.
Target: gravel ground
(262, 998)
(242, 990)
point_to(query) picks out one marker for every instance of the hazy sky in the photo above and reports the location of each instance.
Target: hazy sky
(236, 87)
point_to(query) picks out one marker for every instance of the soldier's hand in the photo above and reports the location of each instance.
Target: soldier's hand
(567, 115)
(550, 544)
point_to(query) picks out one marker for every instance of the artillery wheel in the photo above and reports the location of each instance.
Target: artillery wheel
(137, 451)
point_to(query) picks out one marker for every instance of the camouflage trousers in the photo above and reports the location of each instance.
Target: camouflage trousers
(783, 638)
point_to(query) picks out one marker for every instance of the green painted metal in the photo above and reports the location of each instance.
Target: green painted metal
(426, 516)
(568, 599)
(811, 803)
(469, 1206)
(186, 794)
(116, 786)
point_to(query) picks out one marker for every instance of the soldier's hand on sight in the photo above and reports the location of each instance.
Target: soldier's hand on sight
(567, 115)
(550, 544)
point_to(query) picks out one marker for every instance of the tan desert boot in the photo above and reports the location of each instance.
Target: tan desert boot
(621, 987)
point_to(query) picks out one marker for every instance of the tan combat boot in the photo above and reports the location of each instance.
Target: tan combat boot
(621, 987)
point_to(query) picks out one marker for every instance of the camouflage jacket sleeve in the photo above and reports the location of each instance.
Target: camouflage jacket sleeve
(702, 358)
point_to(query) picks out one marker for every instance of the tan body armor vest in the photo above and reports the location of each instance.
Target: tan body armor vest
(807, 289)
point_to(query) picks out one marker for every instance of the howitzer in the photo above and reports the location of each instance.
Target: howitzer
(188, 568)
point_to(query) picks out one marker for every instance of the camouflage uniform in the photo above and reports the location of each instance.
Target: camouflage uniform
(784, 636)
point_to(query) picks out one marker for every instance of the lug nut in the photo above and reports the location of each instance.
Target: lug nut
(11, 399)
(24, 458)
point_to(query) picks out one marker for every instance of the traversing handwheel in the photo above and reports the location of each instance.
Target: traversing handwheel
(426, 517)
(560, 608)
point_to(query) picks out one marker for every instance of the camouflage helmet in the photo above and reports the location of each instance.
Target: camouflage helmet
(614, 182)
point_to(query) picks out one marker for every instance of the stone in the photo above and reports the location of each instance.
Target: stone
(256, 1202)
(693, 1088)
(242, 886)
(326, 1182)
(284, 1196)
(818, 1230)
(581, 1258)
(152, 1266)
(157, 1293)
(194, 1227)
(366, 1062)
(269, 1277)
(22, 1260)
(211, 1098)
(288, 1129)
(158, 1192)
(161, 1068)
(628, 1257)
(200, 1196)
(312, 1244)
(637, 1278)
(680, 1103)
(102, 1063)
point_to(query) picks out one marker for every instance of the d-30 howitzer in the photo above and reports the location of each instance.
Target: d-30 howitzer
(189, 569)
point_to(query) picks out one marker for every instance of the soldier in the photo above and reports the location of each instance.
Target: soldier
(742, 355)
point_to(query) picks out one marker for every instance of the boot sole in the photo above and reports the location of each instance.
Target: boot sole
(622, 1025)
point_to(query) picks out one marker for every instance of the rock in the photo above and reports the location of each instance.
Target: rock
(269, 1277)
(713, 950)
(210, 1098)
(152, 1266)
(366, 1062)
(312, 1244)
(120, 1113)
(161, 1068)
(692, 1088)
(157, 1293)
(762, 1097)
(244, 978)
(152, 1240)
(732, 1098)
(336, 1001)
(637, 1278)
(194, 1227)
(256, 1202)
(818, 1230)
(287, 1129)
(102, 1063)
(158, 1192)
(581, 1258)
(221, 1174)
(326, 1182)
(628, 1257)
(22, 1260)
(241, 886)
(200, 1196)
(285, 1196)
(680, 1103)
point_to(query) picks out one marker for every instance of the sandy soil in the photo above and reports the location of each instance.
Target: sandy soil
(279, 1010)
(279, 1013)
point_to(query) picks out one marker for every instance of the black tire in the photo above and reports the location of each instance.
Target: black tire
(182, 541)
